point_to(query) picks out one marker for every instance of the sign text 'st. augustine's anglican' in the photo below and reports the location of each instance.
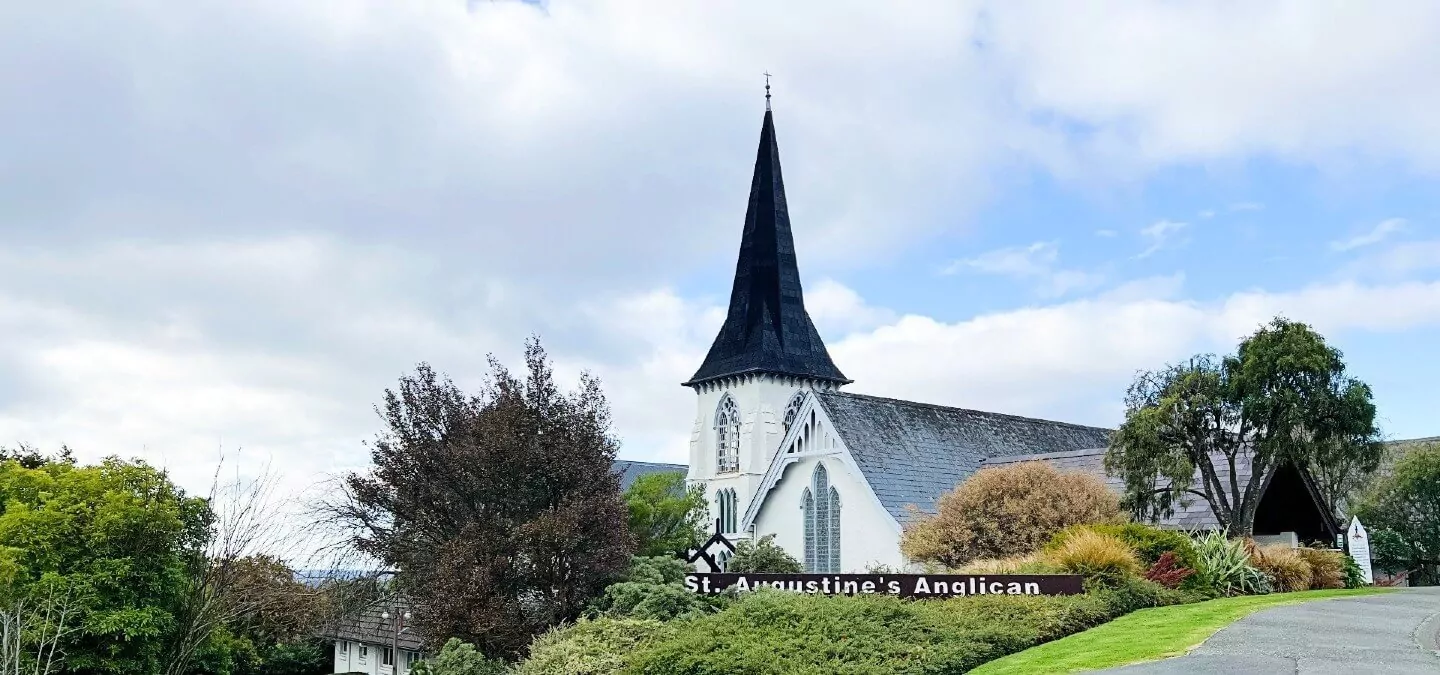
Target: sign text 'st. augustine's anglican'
(902, 585)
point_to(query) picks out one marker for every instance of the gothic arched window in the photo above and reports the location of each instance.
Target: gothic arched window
(727, 506)
(792, 409)
(727, 436)
(820, 506)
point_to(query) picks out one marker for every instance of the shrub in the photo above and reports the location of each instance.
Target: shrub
(1288, 570)
(459, 658)
(1327, 567)
(762, 557)
(1132, 593)
(1224, 568)
(1006, 511)
(1022, 564)
(1168, 572)
(777, 632)
(652, 589)
(1150, 543)
(1354, 576)
(1103, 559)
(589, 647)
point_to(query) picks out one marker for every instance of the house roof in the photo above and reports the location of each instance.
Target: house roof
(767, 329)
(368, 625)
(629, 471)
(911, 453)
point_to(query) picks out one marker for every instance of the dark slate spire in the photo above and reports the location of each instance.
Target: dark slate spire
(767, 329)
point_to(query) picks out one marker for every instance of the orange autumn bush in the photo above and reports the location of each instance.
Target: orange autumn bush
(1008, 511)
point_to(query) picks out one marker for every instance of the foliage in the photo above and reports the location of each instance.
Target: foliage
(1004, 511)
(1149, 542)
(1129, 593)
(1327, 567)
(1030, 563)
(1288, 569)
(779, 632)
(459, 658)
(1224, 567)
(1283, 397)
(653, 589)
(1403, 502)
(301, 657)
(1102, 559)
(665, 516)
(762, 557)
(1168, 571)
(590, 647)
(527, 525)
(1144, 636)
(121, 537)
(1354, 576)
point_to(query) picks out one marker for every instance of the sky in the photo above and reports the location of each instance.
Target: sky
(228, 227)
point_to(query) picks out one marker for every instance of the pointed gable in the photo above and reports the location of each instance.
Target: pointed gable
(767, 329)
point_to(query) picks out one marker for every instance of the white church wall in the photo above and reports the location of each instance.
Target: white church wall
(868, 535)
(761, 402)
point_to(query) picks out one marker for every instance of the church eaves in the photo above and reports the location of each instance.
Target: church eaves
(767, 329)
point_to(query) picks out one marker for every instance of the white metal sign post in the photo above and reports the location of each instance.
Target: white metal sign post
(1359, 547)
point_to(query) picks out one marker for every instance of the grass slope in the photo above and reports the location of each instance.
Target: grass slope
(1147, 635)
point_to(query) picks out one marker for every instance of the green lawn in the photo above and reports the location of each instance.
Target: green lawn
(1147, 635)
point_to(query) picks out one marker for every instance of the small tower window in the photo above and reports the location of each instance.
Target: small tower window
(727, 436)
(792, 409)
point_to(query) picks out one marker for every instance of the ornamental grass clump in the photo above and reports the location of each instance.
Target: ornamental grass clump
(1020, 564)
(1007, 511)
(1101, 558)
(1327, 567)
(1288, 570)
(1224, 568)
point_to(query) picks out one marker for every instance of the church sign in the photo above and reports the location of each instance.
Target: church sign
(902, 585)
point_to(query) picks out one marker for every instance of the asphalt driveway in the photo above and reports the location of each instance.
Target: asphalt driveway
(1392, 634)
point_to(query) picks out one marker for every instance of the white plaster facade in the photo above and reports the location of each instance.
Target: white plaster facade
(869, 535)
(362, 657)
(761, 400)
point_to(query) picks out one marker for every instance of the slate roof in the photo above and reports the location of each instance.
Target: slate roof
(1195, 515)
(911, 453)
(767, 329)
(367, 626)
(629, 471)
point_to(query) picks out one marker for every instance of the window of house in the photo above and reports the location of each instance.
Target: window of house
(387, 656)
(727, 436)
(411, 658)
(344, 647)
(363, 652)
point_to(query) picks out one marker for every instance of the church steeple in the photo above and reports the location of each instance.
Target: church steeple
(767, 329)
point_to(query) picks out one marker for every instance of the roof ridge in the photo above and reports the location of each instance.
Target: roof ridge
(936, 406)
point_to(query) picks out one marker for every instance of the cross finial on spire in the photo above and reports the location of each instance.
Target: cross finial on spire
(767, 90)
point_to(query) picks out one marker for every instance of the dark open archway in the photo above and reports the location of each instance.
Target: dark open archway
(1289, 506)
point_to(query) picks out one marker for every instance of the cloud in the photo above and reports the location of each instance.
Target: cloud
(838, 309)
(1206, 214)
(1377, 234)
(1036, 262)
(1161, 234)
(1106, 233)
(1247, 206)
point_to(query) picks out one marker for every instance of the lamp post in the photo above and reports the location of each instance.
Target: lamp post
(397, 626)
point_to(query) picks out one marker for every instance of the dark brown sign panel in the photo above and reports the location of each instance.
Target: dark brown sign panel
(902, 585)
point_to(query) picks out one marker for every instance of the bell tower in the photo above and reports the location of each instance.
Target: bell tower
(767, 352)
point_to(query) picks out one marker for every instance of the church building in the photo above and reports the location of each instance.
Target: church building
(780, 448)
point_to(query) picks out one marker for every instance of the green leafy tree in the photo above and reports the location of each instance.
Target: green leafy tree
(665, 516)
(500, 511)
(119, 538)
(459, 658)
(1283, 397)
(1403, 510)
(761, 557)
